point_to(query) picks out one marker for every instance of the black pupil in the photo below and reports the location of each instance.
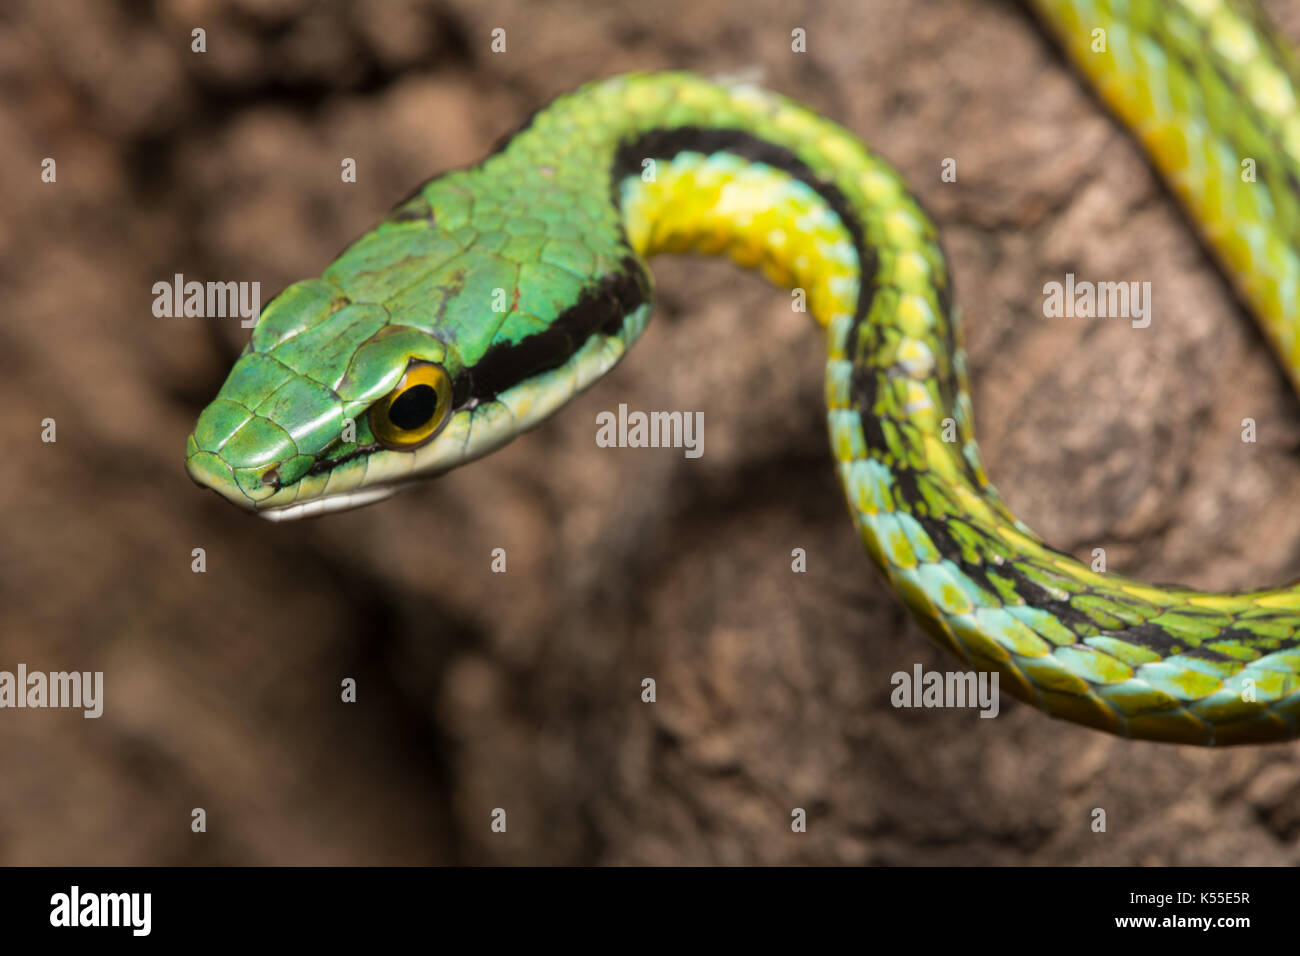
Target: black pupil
(414, 407)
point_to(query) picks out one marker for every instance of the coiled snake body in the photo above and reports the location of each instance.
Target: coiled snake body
(494, 294)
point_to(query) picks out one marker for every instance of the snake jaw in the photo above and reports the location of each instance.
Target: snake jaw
(328, 504)
(209, 470)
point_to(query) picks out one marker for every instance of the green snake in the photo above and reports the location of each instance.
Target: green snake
(495, 294)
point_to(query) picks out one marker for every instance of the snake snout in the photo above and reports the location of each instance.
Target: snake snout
(244, 480)
(209, 470)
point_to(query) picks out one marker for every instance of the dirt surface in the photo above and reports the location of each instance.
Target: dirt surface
(522, 691)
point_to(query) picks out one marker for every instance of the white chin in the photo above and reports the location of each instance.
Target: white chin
(328, 504)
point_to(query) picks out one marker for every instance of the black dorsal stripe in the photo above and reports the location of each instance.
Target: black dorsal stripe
(603, 305)
(600, 308)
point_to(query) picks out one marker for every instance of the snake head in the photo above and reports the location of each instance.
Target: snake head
(419, 349)
(326, 405)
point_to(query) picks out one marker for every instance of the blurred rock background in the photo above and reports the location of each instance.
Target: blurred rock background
(522, 691)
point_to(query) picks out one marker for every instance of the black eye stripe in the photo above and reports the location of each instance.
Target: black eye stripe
(414, 407)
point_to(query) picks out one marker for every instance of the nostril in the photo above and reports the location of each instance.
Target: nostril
(272, 477)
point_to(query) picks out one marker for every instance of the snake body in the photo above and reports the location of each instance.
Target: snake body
(494, 294)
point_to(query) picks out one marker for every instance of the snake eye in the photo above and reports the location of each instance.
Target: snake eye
(413, 412)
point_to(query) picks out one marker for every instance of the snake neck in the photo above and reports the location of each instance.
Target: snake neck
(676, 163)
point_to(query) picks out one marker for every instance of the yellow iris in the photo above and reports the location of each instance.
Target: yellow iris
(414, 411)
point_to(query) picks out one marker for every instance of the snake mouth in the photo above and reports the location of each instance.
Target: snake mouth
(209, 471)
(328, 504)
